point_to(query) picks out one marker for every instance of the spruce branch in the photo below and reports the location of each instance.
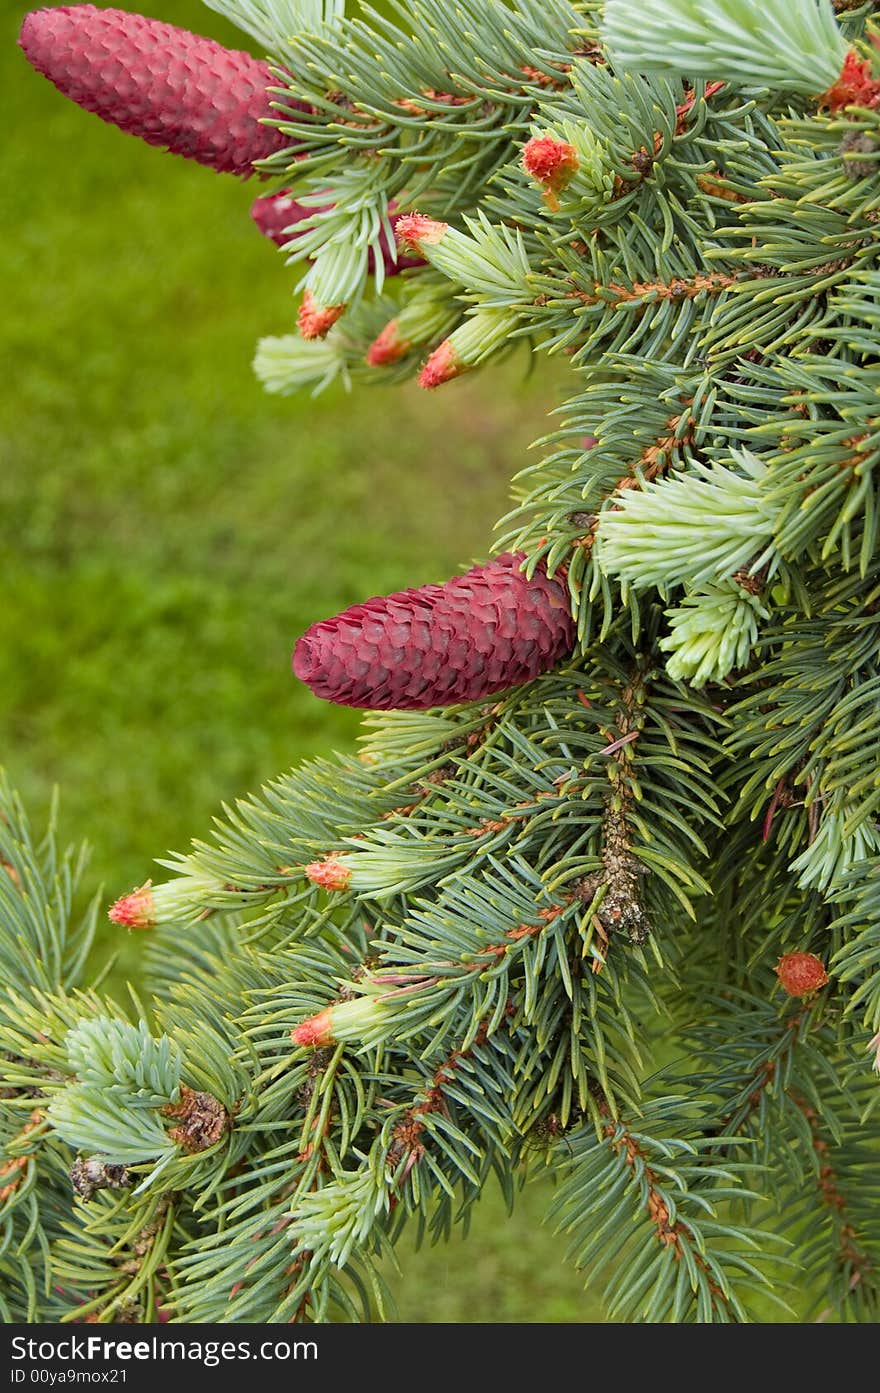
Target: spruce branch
(855, 1281)
(683, 1262)
(624, 803)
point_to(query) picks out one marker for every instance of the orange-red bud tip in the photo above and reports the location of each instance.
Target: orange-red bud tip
(316, 320)
(801, 973)
(330, 874)
(550, 162)
(856, 85)
(443, 365)
(134, 911)
(416, 231)
(387, 347)
(315, 1032)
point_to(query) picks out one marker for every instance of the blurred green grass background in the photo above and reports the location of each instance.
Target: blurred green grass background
(167, 530)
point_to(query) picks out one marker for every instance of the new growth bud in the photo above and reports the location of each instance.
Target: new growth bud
(427, 317)
(314, 320)
(135, 911)
(476, 338)
(347, 1020)
(388, 347)
(184, 897)
(331, 873)
(443, 365)
(551, 163)
(801, 974)
(314, 1032)
(415, 231)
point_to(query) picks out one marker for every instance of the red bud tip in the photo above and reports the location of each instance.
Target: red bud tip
(443, 365)
(315, 321)
(330, 874)
(388, 347)
(800, 974)
(315, 1032)
(134, 911)
(416, 231)
(856, 85)
(396, 264)
(550, 162)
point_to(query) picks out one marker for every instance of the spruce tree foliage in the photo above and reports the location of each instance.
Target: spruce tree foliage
(549, 929)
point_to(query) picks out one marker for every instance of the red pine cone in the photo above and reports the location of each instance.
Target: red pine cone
(276, 213)
(168, 86)
(801, 973)
(441, 644)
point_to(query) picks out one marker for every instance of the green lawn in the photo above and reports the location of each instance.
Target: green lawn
(167, 531)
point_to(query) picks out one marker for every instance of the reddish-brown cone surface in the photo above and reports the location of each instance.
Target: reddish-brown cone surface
(477, 634)
(170, 87)
(801, 973)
